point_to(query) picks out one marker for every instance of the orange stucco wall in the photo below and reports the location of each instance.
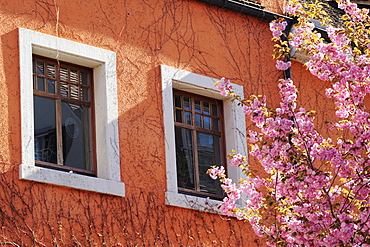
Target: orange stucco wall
(185, 34)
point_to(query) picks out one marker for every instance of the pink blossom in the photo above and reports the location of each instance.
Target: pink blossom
(281, 65)
(277, 28)
(237, 159)
(224, 86)
(216, 172)
(291, 9)
(317, 189)
(253, 137)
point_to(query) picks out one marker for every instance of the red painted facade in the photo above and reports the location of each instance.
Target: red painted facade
(144, 34)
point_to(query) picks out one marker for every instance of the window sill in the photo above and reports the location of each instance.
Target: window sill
(192, 202)
(71, 180)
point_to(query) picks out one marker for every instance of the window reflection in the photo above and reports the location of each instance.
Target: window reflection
(75, 130)
(198, 143)
(45, 130)
(184, 158)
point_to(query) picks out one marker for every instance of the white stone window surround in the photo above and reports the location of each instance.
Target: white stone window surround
(235, 131)
(103, 62)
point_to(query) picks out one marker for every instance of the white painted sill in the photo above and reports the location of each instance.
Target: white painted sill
(71, 180)
(192, 202)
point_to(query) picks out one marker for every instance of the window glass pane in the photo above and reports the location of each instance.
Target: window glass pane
(74, 91)
(178, 116)
(64, 89)
(209, 154)
(188, 118)
(51, 86)
(206, 108)
(215, 124)
(40, 68)
(198, 120)
(45, 130)
(74, 76)
(84, 78)
(51, 70)
(215, 110)
(85, 94)
(63, 73)
(187, 105)
(76, 136)
(40, 84)
(184, 158)
(178, 101)
(197, 106)
(207, 122)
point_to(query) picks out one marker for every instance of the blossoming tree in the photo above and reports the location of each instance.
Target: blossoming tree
(317, 189)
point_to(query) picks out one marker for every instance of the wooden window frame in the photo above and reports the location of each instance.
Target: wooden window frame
(234, 129)
(195, 129)
(59, 98)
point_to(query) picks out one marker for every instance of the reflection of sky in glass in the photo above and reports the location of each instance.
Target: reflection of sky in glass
(198, 107)
(187, 103)
(206, 108)
(207, 122)
(198, 120)
(188, 118)
(205, 140)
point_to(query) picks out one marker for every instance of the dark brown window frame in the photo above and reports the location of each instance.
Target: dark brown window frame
(59, 98)
(194, 129)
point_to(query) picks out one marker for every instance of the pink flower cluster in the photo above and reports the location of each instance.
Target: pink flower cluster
(277, 28)
(237, 160)
(292, 8)
(233, 191)
(318, 188)
(216, 172)
(224, 86)
(281, 65)
(352, 10)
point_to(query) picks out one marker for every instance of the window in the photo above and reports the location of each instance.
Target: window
(69, 112)
(199, 143)
(194, 110)
(63, 107)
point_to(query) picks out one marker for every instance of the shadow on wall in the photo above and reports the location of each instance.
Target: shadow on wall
(10, 99)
